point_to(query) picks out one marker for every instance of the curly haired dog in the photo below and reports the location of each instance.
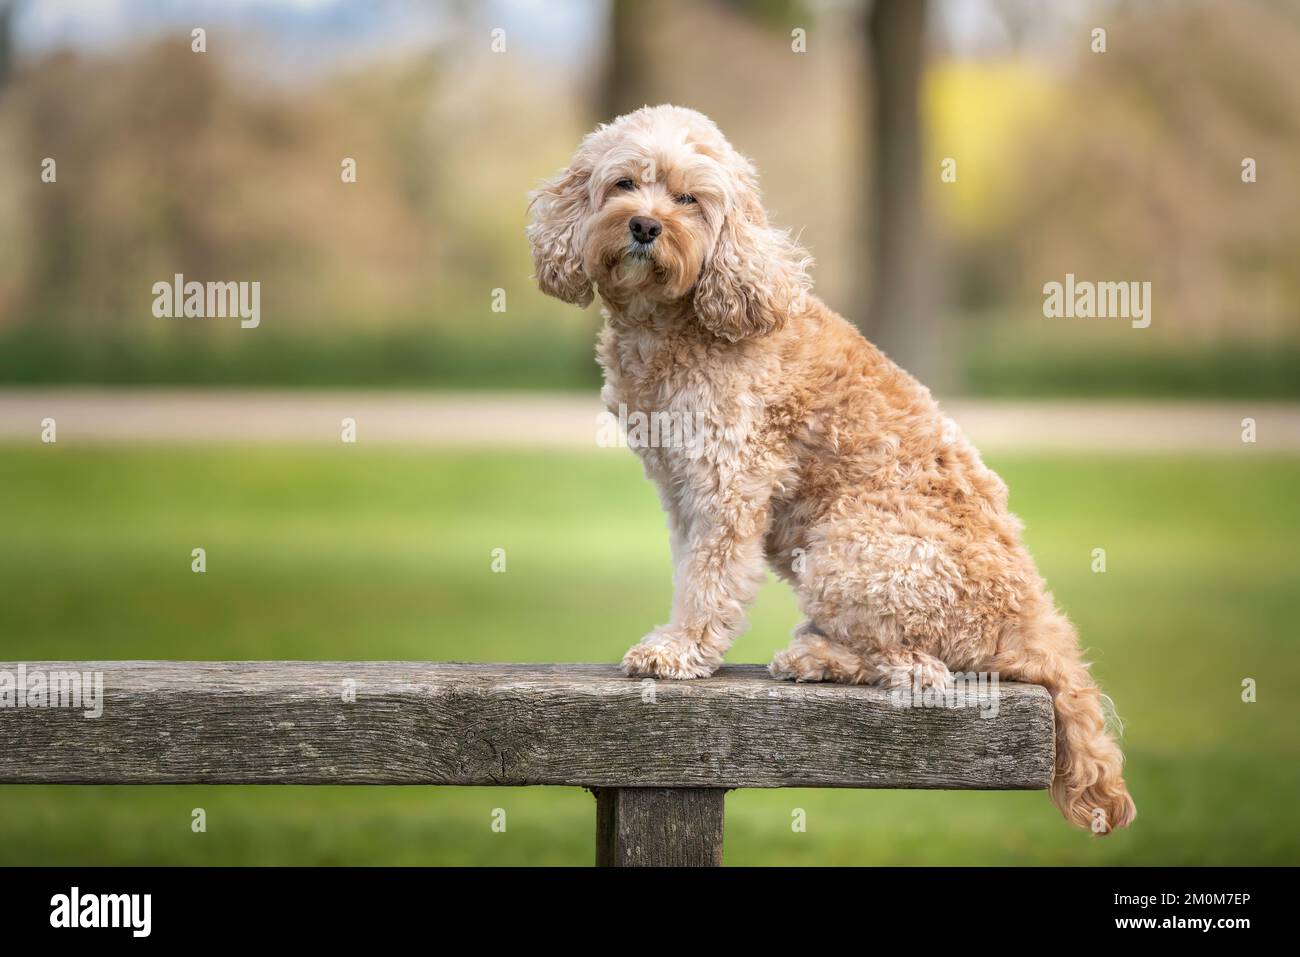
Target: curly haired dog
(817, 455)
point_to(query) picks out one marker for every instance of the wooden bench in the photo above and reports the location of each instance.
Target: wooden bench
(659, 755)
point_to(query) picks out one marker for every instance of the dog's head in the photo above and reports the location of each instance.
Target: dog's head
(657, 204)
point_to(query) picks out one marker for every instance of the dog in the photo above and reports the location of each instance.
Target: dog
(817, 455)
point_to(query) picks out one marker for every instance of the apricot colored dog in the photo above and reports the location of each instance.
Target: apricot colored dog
(814, 455)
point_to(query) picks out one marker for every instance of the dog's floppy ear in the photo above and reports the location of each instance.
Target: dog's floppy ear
(757, 274)
(555, 235)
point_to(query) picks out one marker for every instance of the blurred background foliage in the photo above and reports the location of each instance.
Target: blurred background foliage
(226, 166)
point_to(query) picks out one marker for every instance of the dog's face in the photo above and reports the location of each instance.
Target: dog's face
(658, 205)
(651, 224)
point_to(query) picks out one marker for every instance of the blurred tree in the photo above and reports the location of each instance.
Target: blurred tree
(1146, 179)
(628, 76)
(7, 8)
(627, 72)
(197, 174)
(901, 318)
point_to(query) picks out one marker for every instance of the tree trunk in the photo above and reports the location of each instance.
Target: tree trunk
(6, 39)
(901, 318)
(625, 79)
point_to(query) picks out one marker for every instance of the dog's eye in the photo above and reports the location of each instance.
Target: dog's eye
(685, 199)
(625, 184)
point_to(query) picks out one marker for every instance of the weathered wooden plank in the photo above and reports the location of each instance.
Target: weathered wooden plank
(485, 724)
(659, 827)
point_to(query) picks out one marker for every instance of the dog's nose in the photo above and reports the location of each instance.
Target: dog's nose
(644, 229)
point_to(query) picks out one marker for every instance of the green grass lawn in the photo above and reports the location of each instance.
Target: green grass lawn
(363, 553)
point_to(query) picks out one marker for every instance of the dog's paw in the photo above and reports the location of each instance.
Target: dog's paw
(794, 665)
(920, 673)
(667, 654)
(814, 657)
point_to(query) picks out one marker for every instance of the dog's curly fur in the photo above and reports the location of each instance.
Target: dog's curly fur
(820, 457)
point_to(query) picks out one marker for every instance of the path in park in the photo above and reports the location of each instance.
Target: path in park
(568, 420)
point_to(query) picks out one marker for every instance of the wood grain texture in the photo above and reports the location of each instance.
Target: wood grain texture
(659, 827)
(485, 724)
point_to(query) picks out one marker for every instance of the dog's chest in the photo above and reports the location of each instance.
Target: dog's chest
(646, 368)
(665, 391)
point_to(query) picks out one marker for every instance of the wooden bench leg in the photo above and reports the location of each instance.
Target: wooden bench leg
(659, 827)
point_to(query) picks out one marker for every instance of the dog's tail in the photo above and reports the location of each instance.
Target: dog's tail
(1088, 786)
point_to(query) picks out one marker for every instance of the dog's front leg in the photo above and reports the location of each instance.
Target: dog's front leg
(717, 576)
